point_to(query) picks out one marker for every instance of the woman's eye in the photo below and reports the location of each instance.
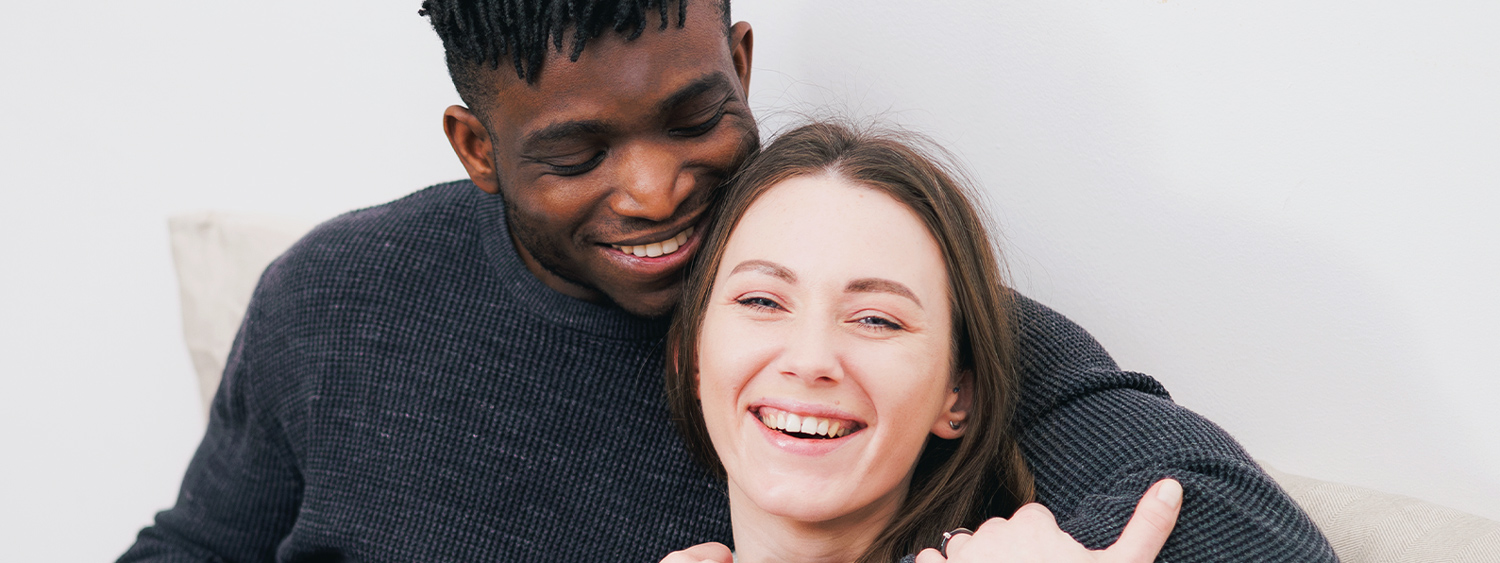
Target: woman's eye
(576, 169)
(701, 128)
(758, 303)
(880, 323)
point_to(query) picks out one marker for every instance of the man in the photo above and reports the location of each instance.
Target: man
(473, 372)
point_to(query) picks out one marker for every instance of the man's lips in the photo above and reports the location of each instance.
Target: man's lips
(662, 247)
(650, 269)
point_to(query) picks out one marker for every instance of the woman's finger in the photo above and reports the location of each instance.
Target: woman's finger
(1148, 529)
(956, 543)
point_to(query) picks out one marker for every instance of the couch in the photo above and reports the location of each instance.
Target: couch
(219, 258)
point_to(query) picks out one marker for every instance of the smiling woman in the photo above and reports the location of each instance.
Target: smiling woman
(847, 346)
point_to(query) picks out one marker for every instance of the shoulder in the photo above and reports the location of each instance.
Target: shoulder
(1060, 362)
(398, 237)
(430, 217)
(370, 265)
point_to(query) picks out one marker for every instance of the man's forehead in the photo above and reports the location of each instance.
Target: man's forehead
(616, 75)
(658, 50)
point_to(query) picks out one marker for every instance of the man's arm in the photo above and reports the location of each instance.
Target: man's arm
(1097, 437)
(242, 490)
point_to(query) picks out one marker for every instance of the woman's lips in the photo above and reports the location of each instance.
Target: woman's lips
(807, 424)
(819, 430)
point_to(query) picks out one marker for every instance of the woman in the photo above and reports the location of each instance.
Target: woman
(848, 306)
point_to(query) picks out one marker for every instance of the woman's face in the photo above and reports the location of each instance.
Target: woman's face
(825, 356)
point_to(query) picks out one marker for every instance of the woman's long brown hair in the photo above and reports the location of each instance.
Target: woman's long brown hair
(957, 482)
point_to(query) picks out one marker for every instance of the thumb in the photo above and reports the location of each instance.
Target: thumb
(1148, 529)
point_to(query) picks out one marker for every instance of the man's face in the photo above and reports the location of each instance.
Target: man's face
(606, 164)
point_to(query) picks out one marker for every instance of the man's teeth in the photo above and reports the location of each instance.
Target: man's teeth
(788, 422)
(655, 249)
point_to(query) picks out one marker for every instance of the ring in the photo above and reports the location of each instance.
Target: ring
(943, 547)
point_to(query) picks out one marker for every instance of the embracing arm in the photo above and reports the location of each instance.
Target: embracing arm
(1096, 438)
(242, 489)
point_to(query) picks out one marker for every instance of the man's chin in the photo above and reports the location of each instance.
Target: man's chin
(650, 304)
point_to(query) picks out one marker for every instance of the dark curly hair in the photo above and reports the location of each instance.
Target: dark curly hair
(478, 34)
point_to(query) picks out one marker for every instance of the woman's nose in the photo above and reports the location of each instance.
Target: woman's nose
(810, 353)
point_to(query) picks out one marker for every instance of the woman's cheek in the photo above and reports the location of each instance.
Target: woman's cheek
(728, 353)
(912, 383)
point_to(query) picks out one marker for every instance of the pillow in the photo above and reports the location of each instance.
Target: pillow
(1367, 526)
(219, 259)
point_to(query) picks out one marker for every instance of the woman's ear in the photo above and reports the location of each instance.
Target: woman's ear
(954, 421)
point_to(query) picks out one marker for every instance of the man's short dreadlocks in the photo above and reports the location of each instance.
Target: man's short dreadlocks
(479, 33)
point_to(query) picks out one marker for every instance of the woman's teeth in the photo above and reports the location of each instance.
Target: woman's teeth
(655, 249)
(816, 426)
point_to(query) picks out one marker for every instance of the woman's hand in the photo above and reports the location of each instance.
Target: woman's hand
(711, 552)
(1032, 535)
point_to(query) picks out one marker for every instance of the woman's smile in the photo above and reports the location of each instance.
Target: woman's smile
(803, 429)
(805, 425)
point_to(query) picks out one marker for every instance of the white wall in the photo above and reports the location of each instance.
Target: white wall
(1278, 209)
(1285, 211)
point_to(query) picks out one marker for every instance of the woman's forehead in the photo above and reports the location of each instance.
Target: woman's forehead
(826, 226)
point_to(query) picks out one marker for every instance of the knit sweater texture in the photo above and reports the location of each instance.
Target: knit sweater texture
(402, 388)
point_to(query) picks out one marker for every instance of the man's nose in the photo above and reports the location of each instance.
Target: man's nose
(651, 183)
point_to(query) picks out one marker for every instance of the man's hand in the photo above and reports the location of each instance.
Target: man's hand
(1032, 535)
(712, 552)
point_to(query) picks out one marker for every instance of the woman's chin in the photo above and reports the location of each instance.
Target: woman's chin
(799, 504)
(809, 499)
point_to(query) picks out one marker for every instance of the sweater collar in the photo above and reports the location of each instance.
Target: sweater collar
(606, 320)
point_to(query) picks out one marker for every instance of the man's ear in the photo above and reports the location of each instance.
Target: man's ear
(954, 421)
(742, 46)
(471, 142)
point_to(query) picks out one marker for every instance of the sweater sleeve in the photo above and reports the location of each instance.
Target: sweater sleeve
(242, 489)
(1096, 438)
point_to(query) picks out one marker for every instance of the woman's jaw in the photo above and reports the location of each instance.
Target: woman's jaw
(791, 513)
(760, 537)
(789, 517)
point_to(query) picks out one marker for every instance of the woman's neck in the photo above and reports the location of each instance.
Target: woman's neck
(762, 537)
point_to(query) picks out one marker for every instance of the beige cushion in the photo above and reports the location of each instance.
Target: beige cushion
(1367, 526)
(219, 259)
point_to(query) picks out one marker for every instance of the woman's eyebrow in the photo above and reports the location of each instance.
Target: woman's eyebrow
(766, 267)
(871, 285)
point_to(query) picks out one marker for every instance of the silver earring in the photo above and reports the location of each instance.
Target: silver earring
(954, 424)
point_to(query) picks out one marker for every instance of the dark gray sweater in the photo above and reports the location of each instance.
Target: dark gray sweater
(403, 389)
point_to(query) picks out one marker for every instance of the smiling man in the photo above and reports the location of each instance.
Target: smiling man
(606, 161)
(474, 372)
